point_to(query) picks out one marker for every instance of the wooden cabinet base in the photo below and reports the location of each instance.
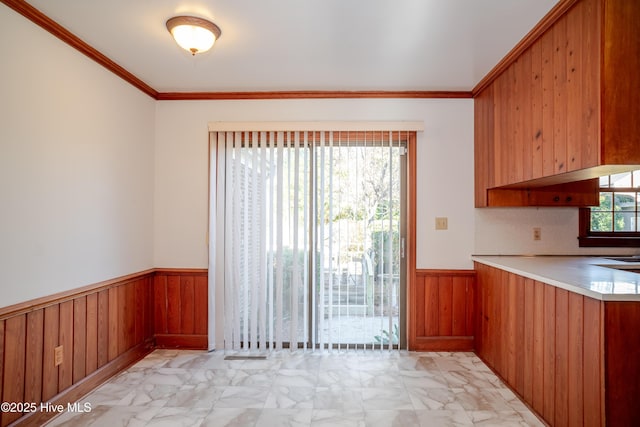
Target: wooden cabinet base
(571, 358)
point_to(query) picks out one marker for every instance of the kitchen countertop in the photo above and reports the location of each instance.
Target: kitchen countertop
(584, 275)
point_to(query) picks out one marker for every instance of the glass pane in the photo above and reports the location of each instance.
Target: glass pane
(601, 221)
(605, 202)
(604, 181)
(621, 180)
(636, 179)
(360, 281)
(624, 202)
(624, 221)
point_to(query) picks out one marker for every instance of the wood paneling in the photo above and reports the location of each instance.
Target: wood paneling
(91, 344)
(527, 42)
(79, 338)
(620, 64)
(180, 308)
(201, 309)
(174, 304)
(431, 307)
(160, 303)
(561, 111)
(86, 325)
(126, 304)
(578, 194)
(528, 338)
(562, 358)
(113, 323)
(519, 337)
(441, 310)
(444, 305)
(535, 114)
(51, 339)
(549, 353)
(33, 363)
(593, 363)
(82, 388)
(14, 364)
(141, 309)
(576, 358)
(622, 367)
(559, 92)
(1, 363)
(101, 329)
(574, 88)
(525, 120)
(484, 154)
(65, 340)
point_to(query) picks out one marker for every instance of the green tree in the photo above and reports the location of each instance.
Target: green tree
(603, 218)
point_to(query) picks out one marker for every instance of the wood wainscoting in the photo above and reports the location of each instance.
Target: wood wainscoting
(441, 310)
(180, 302)
(101, 330)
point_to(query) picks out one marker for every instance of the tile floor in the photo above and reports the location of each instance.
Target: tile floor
(348, 388)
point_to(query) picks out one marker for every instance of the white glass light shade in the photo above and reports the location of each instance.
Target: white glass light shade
(195, 35)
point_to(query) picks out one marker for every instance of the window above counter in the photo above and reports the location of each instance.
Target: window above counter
(615, 222)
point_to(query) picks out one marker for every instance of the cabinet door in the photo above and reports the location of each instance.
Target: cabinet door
(483, 145)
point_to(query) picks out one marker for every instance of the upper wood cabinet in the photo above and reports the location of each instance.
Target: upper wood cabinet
(564, 110)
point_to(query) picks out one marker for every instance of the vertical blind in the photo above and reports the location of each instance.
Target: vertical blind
(312, 240)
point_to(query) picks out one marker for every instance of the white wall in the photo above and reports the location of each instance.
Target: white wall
(509, 231)
(444, 187)
(445, 169)
(76, 168)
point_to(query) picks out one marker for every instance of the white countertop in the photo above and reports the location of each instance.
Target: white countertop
(580, 274)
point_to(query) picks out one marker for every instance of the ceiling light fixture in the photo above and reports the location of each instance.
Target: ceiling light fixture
(194, 34)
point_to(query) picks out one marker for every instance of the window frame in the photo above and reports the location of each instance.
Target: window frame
(588, 238)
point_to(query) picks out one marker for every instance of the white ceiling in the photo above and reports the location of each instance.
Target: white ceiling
(283, 45)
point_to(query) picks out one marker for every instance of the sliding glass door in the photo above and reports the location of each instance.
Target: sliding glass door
(313, 231)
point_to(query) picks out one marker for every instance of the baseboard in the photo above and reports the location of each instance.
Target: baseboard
(88, 384)
(443, 344)
(193, 342)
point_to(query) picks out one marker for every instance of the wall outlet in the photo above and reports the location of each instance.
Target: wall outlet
(442, 223)
(58, 355)
(537, 233)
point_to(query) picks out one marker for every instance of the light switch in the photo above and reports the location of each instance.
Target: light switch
(441, 223)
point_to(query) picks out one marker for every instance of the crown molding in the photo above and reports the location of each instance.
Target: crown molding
(190, 96)
(48, 24)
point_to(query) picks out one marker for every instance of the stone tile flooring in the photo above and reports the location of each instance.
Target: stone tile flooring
(347, 388)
